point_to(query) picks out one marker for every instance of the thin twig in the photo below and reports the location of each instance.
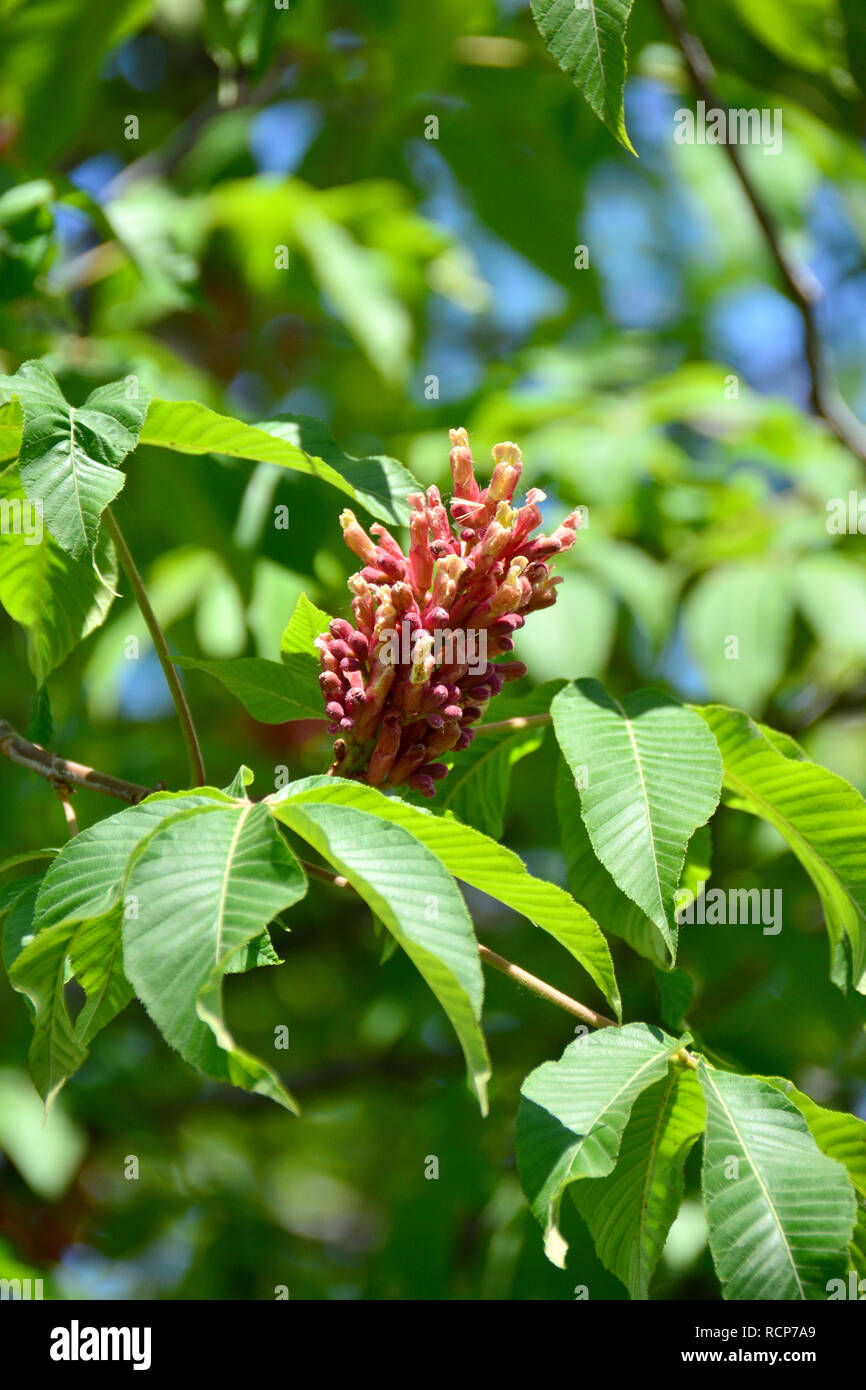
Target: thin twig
(544, 990)
(539, 987)
(802, 286)
(62, 772)
(184, 714)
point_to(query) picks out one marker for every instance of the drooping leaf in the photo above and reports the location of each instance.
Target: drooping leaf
(58, 598)
(87, 876)
(829, 586)
(843, 1137)
(588, 42)
(272, 691)
(298, 442)
(17, 905)
(630, 1212)
(590, 881)
(823, 819)
(70, 457)
(780, 1212)
(647, 776)
(206, 883)
(39, 972)
(573, 1114)
(417, 899)
(480, 862)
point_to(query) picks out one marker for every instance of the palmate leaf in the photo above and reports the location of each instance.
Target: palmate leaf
(414, 896)
(480, 862)
(75, 920)
(378, 483)
(271, 691)
(206, 883)
(70, 457)
(573, 1114)
(780, 1212)
(588, 42)
(630, 1212)
(648, 777)
(822, 817)
(59, 599)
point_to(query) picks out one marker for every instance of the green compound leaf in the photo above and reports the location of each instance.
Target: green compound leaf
(630, 1213)
(573, 1114)
(482, 863)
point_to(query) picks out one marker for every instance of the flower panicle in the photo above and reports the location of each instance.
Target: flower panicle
(405, 682)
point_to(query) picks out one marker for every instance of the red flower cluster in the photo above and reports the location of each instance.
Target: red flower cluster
(406, 683)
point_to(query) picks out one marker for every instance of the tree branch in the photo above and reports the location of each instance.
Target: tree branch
(62, 772)
(801, 285)
(67, 775)
(184, 714)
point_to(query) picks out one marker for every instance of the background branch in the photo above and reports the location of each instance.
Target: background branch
(801, 285)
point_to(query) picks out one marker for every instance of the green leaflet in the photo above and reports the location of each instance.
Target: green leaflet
(843, 1137)
(17, 905)
(306, 624)
(409, 890)
(70, 457)
(87, 876)
(822, 817)
(630, 1212)
(75, 919)
(648, 777)
(573, 1114)
(60, 599)
(481, 862)
(780, 1212)
(205, 885)
(272, 691)
(378, 483)
(588, 42)
(590, 881)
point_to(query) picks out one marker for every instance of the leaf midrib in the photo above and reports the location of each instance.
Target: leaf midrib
(646, 803)
(760, 1182)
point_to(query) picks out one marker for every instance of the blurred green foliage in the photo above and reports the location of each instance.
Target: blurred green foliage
(159, 163)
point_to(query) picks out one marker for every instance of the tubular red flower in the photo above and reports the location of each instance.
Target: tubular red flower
(405, 683)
